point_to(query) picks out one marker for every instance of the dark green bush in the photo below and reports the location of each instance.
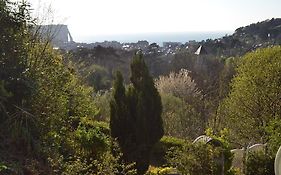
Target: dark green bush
(93, 137)
(221, 140)
(194, 159)
(202, 158)
(260, 163)
(158, 155)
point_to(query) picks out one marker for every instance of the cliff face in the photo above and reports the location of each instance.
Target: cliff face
(57, 34)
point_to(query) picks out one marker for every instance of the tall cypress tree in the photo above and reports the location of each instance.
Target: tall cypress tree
(148, 111)
(136, 115)
(119, 113)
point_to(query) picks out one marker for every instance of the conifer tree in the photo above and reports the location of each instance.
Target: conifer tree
(148, 112)
(119, 119)
(136, 115)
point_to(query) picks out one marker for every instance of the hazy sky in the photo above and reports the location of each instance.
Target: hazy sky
(109, 17)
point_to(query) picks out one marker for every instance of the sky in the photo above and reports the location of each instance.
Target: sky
(116, 17)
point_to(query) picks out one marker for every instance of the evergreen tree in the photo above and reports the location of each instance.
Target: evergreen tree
(148, 112)
(120, 121)
(136, 115)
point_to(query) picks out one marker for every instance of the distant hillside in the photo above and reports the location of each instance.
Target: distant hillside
(244, 39)
(98, 64)
(266, 30)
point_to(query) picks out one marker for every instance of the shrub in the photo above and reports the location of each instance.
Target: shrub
(259, 163)
(194, 159)
(160, 171)
(202, 158)
(158, 155)
(93, 138)
(180, 119)
(222, 138)
(102, 101)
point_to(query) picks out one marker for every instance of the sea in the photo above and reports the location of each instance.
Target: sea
(158, 38)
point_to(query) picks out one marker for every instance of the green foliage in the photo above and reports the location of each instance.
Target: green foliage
(120, 121)
(92, 138)
(65, 110)
(147, 112)
(160, 150)
(204, 70)
(226, 76)
(109, 163)
(259, 163)
(112, 163)
(254, 98)
(102, 101)
(136, 115)
(273, 131)
(223, 138)
(47, 113)
(180, 119)
(161, 171)
(194, 159)
(95, 76)
(59, 100)
(99, 78)
(98, 65)
(183, 105)
(16, 120)
(170, 142)
(3, 167)
(202, 158)
(77, 166)
(206, 73)
(148, 101)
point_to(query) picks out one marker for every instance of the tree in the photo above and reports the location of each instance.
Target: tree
(136, 115)
(102, 101)
(42, 102)
(120, 121)
(180, 85)
(180, 119)
(15, 84)
(255, 94)
(195, 159)
(184, 108)
(226, 76)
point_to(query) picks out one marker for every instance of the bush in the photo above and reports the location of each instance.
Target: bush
(203, 158)
(158, 155)
(102, 101)
(93, 138)
(222, 138)
(180, 119)
(161, 171)
(259, 163)
(194, 159)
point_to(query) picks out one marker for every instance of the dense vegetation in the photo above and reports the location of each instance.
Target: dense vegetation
(47, 115)
(138, 113)
(74, 113)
